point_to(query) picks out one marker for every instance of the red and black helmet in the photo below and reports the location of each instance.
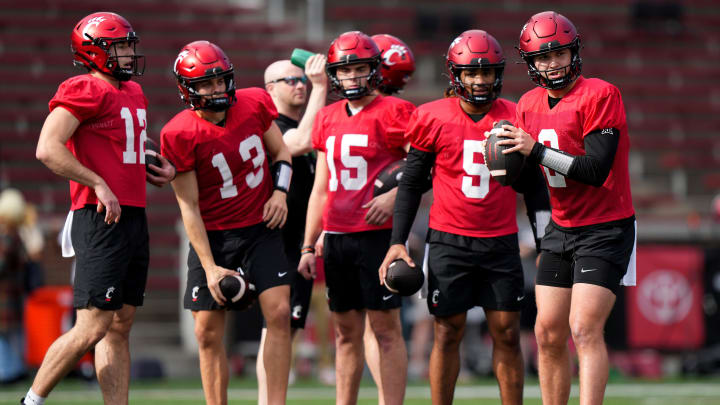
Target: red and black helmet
(352, 48)
(475, 49)
(546, 32)
(199, 61)
(92, 38)
(398, 63)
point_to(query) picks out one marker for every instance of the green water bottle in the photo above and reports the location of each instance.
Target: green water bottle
(300, 56)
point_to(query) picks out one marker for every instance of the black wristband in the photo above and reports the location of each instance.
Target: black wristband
(536, 154)
(282, 174)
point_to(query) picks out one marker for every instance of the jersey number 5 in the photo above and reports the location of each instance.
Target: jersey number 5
(350, 162)
(129, 155)
(253, 179)
(472, 168)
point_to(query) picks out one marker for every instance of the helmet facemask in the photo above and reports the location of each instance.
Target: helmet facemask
(572, 71)
(373, 79)
(189, 94)
(112, 65)
(461, 90)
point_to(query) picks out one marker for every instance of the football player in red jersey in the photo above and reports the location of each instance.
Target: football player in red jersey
(396, 67)
(356, 138)
(232, 204)
(473, 254)
(286, 84)
(95, 136)
(575, 128)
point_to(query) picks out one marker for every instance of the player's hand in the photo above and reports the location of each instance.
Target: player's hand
(166, 172)
(108, 202)
(214, 274)
(306, 267)
(380, 208)
(319, 244)
(315, 70)
(275, 210)
(395, 252)
(519, 140)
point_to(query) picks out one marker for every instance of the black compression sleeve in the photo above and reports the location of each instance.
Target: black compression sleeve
(594, 167)
(413, 184)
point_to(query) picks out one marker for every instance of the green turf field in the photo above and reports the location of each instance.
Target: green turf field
(480, 392)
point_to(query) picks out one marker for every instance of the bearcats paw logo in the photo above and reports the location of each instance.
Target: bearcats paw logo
(523, 29)
(93, 22)
(455, 42)
(195, 293)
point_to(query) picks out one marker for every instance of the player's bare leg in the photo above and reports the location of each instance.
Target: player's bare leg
(445, 357)
(275, 305)
(507, 358)
(320, 314)
(590, 308)
(391, 354)
(552, 330)
(112, 357)
(209, 332)
(349, 327)
(66, 351)
(372, 358)
(260, 370)
(260, 366)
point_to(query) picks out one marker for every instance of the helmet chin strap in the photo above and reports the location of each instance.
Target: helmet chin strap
(358, 92)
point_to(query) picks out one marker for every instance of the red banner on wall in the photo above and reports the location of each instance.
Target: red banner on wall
(664, 311)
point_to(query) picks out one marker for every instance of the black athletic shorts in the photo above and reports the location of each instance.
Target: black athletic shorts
(352, 261)
(111, 260)
(300, 289)
(256, 250)
(300, 294)
(594, 254)
(465, 272)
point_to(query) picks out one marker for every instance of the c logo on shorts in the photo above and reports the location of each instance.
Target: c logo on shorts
(109, 293)
(195, 293)
(435, 297)
(297, 312)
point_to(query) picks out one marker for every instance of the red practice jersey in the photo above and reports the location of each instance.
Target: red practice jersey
(110, 140)
(230, 162)
(357, 149)
(592, 105)
(466, 199)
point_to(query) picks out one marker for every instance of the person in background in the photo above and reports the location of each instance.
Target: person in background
(13, 261)
(287, 85)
